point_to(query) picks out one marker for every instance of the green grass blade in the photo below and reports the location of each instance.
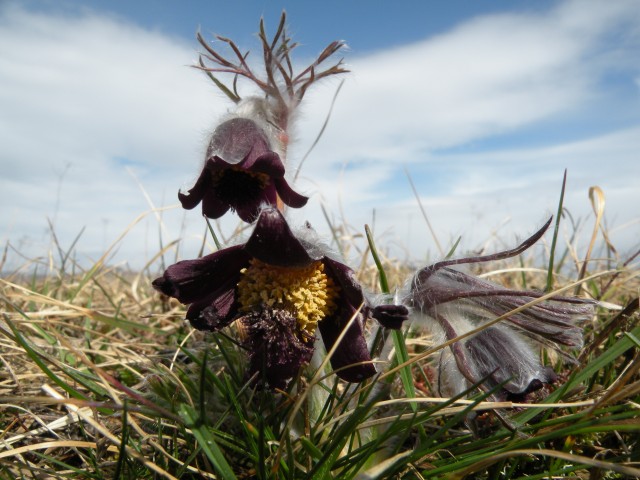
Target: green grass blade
(207, 442)
(591, 368)
(556, 230)
(124, 439)
(398, 339)
(37, 359)
(213, 234)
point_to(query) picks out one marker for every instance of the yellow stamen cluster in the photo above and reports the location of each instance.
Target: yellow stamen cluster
(307, 292)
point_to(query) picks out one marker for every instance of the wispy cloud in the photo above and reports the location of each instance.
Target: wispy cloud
(486, 77)
(542, 77)
(83, 97)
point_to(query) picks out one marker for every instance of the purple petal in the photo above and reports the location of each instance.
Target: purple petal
(216, 163)
(212, 206)
(273, 242)
(268, 163)
(194, 280)
(215, 311)
(202, 191)
(288, 196)
(245, 198)
(351, 350)
(249, 210)
(194, 196)
(350, 290)
(238, 140)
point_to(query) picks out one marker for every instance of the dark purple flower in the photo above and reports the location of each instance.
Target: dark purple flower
(281, 287)
(454, 303)
(241, 173)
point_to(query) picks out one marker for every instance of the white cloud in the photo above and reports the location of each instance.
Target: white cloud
(82, 97)
(522, 186)
(490, 75)
(485, 79)
(88, 95)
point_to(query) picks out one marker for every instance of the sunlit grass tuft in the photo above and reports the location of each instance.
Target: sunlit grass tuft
(101, 377)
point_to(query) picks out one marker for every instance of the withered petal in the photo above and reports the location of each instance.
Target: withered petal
(557, 319)
(277, 348)
(499, 355)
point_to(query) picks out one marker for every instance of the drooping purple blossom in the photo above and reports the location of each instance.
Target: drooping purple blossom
(281, 286)
(241, 173)
(506, 354)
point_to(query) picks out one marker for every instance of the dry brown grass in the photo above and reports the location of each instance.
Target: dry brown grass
(92, 375)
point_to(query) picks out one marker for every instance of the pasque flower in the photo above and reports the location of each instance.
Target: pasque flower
(504, 355)
(241, 173)
(282, 287)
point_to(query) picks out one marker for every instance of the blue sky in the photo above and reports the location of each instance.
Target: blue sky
(483, 103)
(370, 24)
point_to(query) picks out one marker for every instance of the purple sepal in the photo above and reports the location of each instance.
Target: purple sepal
(351, 350)
(391, 316)
(208, 284)
(273, 242)
(238, 149)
